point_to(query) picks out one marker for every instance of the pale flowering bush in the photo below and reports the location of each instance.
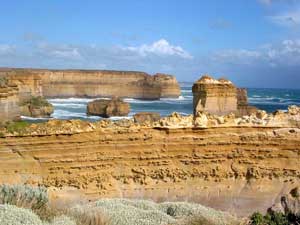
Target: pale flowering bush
(141, 212)
(12, 215)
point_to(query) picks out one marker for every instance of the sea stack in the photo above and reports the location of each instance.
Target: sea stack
(108, 108)
(220, 97)
(217, 97)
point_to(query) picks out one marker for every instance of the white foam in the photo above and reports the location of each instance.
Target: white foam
(35, 119)
(186, 91)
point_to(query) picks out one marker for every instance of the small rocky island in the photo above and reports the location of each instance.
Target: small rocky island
(108, 107)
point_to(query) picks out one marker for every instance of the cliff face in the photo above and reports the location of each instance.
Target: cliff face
(233, 165)
(9, 101)
(93, 83)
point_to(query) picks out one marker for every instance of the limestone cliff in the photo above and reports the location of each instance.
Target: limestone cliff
(9, 101)
(92, 83)
(235, 164)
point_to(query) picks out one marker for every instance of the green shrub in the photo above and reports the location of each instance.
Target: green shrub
(273, 218)
(18, 127)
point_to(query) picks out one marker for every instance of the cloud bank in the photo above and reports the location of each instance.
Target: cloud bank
(273, 64)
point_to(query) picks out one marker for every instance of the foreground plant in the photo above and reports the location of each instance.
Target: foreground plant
(274, 218)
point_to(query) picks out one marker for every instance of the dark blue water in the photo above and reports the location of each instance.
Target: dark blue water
(266, 99)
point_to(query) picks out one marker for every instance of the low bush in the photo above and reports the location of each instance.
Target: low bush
(18, 127)
(12, 215)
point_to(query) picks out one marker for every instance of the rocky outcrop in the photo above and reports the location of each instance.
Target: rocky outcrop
(234, 164)
(36, 107)
(220, 97)
(243, 107)
(9, 101)
(108, 108)
(288, 203)
(146, 117)
(92, 83)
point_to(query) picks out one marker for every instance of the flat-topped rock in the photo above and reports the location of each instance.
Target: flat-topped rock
(108, 107)
(214, 96)
(220, 97)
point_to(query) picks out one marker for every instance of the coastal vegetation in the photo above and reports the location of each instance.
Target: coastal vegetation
(36, 101)
(21, 204)
(16, 127)
(274, 218)
(3, 82)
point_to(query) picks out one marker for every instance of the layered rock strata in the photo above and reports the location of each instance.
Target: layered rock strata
(9, 101)
(234, 164)
(220, 97)
(92, 83)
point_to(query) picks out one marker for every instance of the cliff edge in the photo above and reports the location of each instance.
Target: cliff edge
(92, 83)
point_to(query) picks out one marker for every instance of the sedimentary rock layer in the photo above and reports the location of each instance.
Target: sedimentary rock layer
(238, 168)
(9, 102)
(92, 83)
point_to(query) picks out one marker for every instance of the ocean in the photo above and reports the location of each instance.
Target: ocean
(263, 98)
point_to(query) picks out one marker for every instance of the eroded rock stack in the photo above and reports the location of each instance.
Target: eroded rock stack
(219, 97)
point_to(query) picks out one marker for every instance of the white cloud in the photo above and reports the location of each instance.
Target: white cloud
(6, 49)
(287, 19)
(160, 47)
(285, 53)
(59, 51)
(266, 2)
(270, 2)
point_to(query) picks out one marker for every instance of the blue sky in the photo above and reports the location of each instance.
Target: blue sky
(256, 43)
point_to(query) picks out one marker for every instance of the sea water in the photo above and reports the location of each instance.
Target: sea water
(263, 98)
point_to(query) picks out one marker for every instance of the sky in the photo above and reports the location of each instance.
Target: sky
(255, 43)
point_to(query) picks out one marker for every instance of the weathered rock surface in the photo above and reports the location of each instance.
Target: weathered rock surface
(146, 117)
(9, 101)
(220, 97)
(108, 108)
(36, 107)
(92, 83)
(243, 107)
(234, 164)
(288, 203)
